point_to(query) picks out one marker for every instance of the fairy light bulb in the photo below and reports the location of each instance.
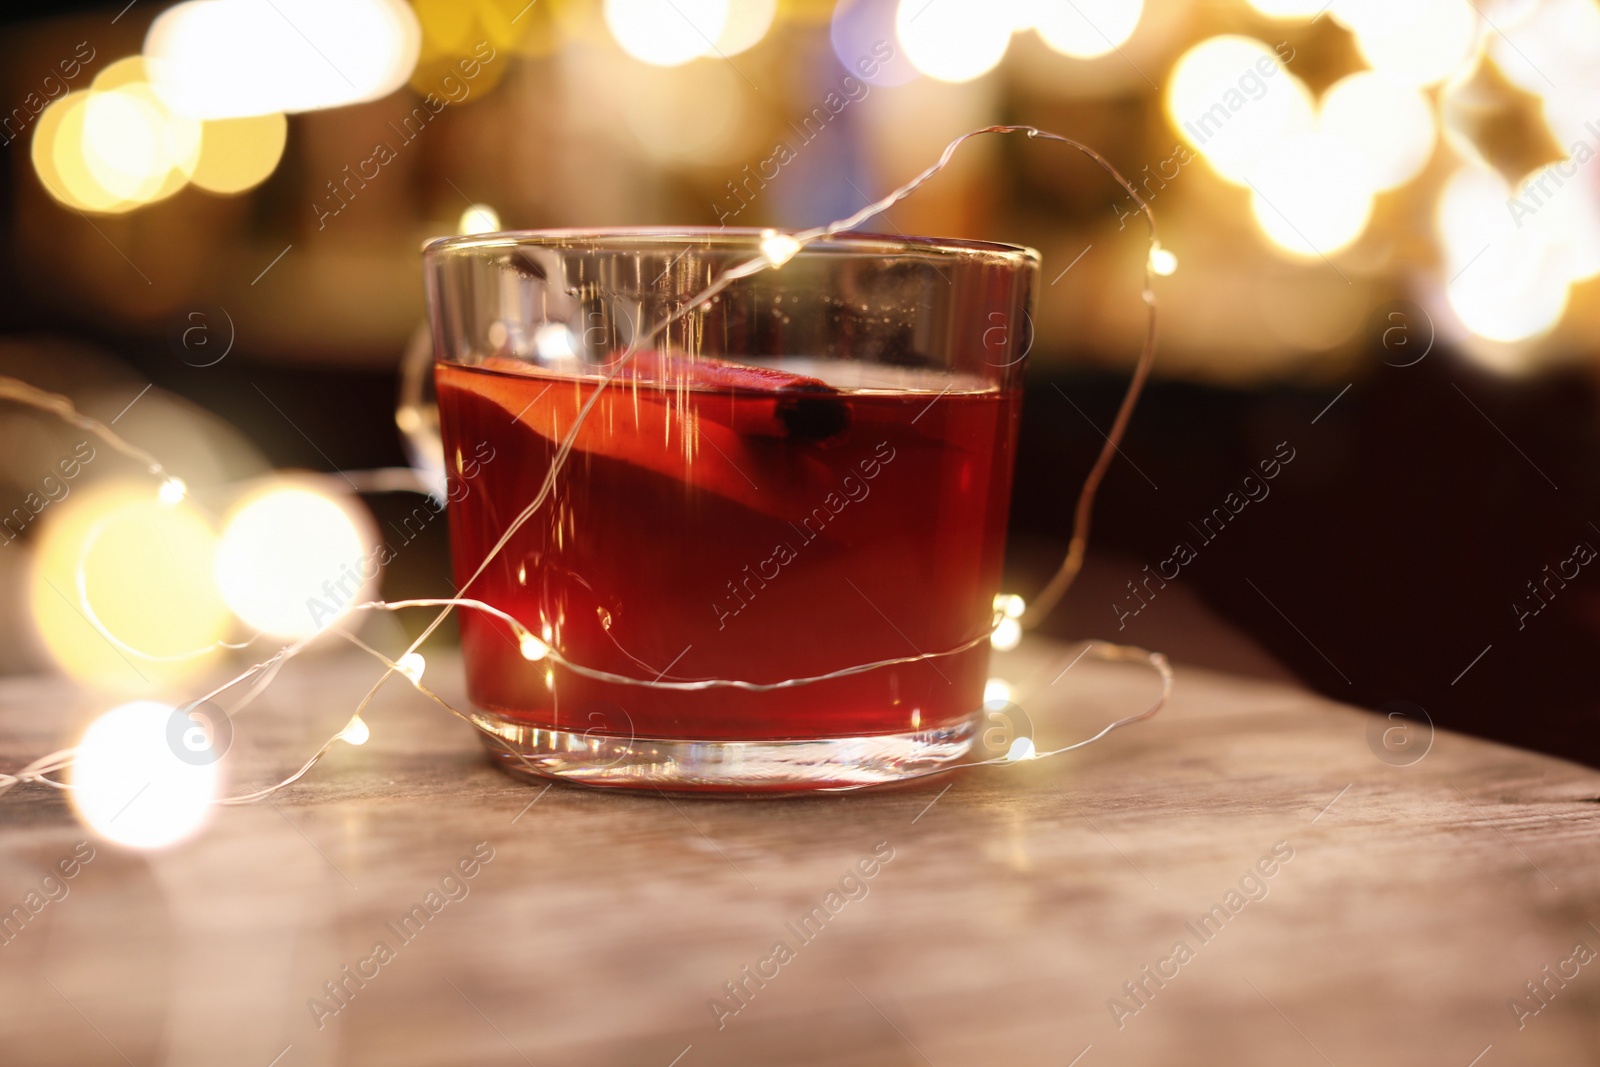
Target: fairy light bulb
(1010, 605)
(412, 665)
(478, 218)
(779, 248)
(1162, 261)
(1021, 749)
(532, 648)
(1007, 635)
(172, 491)
(356, 731)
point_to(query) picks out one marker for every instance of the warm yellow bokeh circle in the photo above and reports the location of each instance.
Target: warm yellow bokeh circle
(116, 146)
(122, 593)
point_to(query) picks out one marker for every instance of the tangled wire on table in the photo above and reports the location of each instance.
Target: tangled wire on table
(776, 250)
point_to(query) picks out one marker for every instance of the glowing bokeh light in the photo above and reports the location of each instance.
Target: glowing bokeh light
(1390, 125)
(1231, 98)
(118, 146)
(1500, 306)
(863, 37)
(1509, 279)
(121, 591)
(1570, 113)
(132, 145)
(996, 691)
(1289, 9)
(290, 561)
(1472, 212)
(1558, 204)
(216, 59)
(748, 22)
(478, 218)
(1010, 605)
(1553, 49)
(1376, 17)
(1007, 634)
(174, 139)
(129, 70)
(955, 40)
(1084, 29)
(58, 159)
(1312, 196)
(42, 150)
(1415, 42)
(237, 154)
(130, 785)
(666, 33)
(172, 490)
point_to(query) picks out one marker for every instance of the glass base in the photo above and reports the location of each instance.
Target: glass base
(672, 765)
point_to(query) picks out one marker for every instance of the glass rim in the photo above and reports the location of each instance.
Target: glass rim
(621, 238)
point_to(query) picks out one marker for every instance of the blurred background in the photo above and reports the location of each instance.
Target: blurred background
(1385, 217)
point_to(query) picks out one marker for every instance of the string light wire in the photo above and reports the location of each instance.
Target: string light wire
(776, 249)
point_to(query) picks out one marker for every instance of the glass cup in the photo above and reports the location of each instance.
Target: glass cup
(769, 560)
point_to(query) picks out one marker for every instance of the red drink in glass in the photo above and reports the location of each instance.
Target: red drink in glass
(770, 558)
(695, 533)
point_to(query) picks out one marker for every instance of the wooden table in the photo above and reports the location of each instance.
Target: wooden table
(1017, 903)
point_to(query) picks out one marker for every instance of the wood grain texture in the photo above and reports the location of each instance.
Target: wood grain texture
(1417, 903)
